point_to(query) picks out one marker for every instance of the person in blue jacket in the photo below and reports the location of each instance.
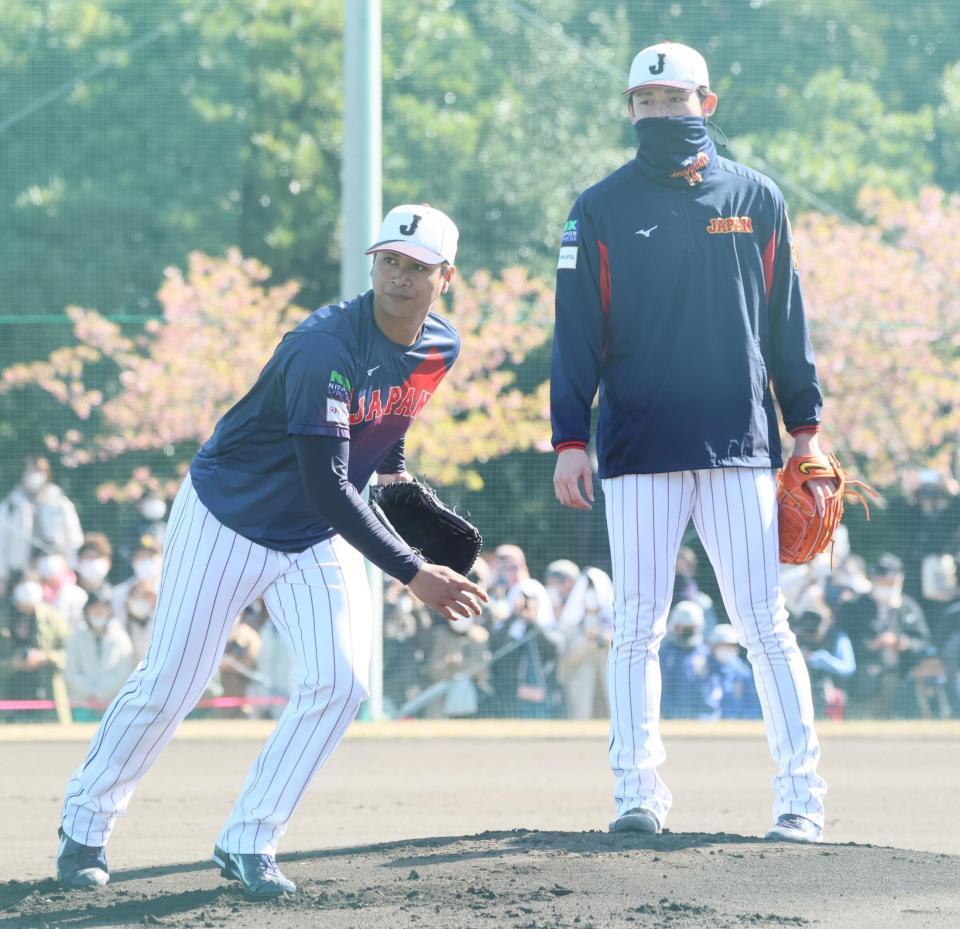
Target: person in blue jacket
(678, 298)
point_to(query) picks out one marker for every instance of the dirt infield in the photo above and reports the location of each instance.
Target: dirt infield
(488, 825)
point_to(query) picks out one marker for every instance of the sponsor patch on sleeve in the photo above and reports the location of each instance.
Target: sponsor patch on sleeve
(568, 257)
(337, 412)
(339, 387)
(569, 236)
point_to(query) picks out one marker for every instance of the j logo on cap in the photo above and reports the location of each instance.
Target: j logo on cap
(419, 232)
(668, 64)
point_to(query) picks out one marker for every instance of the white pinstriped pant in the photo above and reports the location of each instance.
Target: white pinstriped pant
(320, 602)
(735, 514)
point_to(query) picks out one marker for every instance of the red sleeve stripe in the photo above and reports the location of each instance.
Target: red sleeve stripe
(768, 255)
(604, 278)
(805, 430)
(562, 446)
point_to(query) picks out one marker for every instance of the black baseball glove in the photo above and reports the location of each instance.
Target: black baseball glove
(414, 512)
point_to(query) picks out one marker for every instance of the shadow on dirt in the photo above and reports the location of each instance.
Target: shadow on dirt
(87, 909)
(520, 841)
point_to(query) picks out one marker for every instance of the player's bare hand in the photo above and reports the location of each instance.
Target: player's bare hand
(573, 479)
(822, 487)
(447, 592)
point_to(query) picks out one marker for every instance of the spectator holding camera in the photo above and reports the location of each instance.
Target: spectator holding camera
(524, 679)
(510, 581)
(584, 604)
(890, 638)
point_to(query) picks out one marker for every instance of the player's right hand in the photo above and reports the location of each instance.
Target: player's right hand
(573, 468)
(447, 592)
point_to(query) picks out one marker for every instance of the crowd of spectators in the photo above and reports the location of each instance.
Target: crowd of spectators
(881, 638)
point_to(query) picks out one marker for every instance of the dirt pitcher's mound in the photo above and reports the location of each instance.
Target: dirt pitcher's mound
(530, 880)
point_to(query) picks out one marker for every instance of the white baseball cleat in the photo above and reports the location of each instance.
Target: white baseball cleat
(793, 828)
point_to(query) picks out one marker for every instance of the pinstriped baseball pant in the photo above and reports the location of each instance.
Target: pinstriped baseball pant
(735, 514)
(319, 600)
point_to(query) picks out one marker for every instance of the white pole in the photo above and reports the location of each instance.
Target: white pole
(362, 197)
(362, 210)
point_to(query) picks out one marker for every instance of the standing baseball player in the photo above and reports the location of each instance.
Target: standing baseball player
(678, 296)
(271, 508)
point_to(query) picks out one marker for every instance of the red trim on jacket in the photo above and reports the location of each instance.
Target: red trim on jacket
(572, 443)
(805, 430)
(604, 291)
(769, 253)
(604, 278)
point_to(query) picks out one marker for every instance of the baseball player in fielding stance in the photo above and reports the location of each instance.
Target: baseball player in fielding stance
(678, 296)
(271, 508)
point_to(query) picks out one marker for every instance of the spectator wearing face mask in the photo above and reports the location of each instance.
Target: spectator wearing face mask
(685, 586)
(456, 650)
(139, 613)
(145, 565)
(827, 650)
(149, 521)
(99, 659)
(33, 641)
(890, 638)
(60, 588)
(510, 581)
(683, 665)
(94, 561)
(524, 678)
(730, 690)
(36, 516)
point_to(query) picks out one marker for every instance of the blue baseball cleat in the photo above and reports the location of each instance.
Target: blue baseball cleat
(259, 874)
(81, 865)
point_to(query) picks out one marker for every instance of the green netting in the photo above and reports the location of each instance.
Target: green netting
(171, 166)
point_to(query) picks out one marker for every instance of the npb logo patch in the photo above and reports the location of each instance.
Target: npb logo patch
(569, 236)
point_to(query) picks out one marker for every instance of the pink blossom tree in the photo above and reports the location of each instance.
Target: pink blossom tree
(884, 305)
(165, 388)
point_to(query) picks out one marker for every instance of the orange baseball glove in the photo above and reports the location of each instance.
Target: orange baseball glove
(804, 533)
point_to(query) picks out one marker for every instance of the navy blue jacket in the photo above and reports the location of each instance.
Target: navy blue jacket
(681, 301)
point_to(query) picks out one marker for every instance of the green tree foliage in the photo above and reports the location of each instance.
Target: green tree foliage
(838, 137)
(207, 125)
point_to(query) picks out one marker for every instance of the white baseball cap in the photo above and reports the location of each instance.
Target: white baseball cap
(419, 232)
(685, 613)
(723, 634)
(668, 64)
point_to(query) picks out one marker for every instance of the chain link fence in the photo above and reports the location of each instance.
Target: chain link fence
(170, 206)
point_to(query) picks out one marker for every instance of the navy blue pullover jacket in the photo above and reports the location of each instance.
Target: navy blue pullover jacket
(678, 296)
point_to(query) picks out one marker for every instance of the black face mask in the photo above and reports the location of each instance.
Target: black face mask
(674, 150)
